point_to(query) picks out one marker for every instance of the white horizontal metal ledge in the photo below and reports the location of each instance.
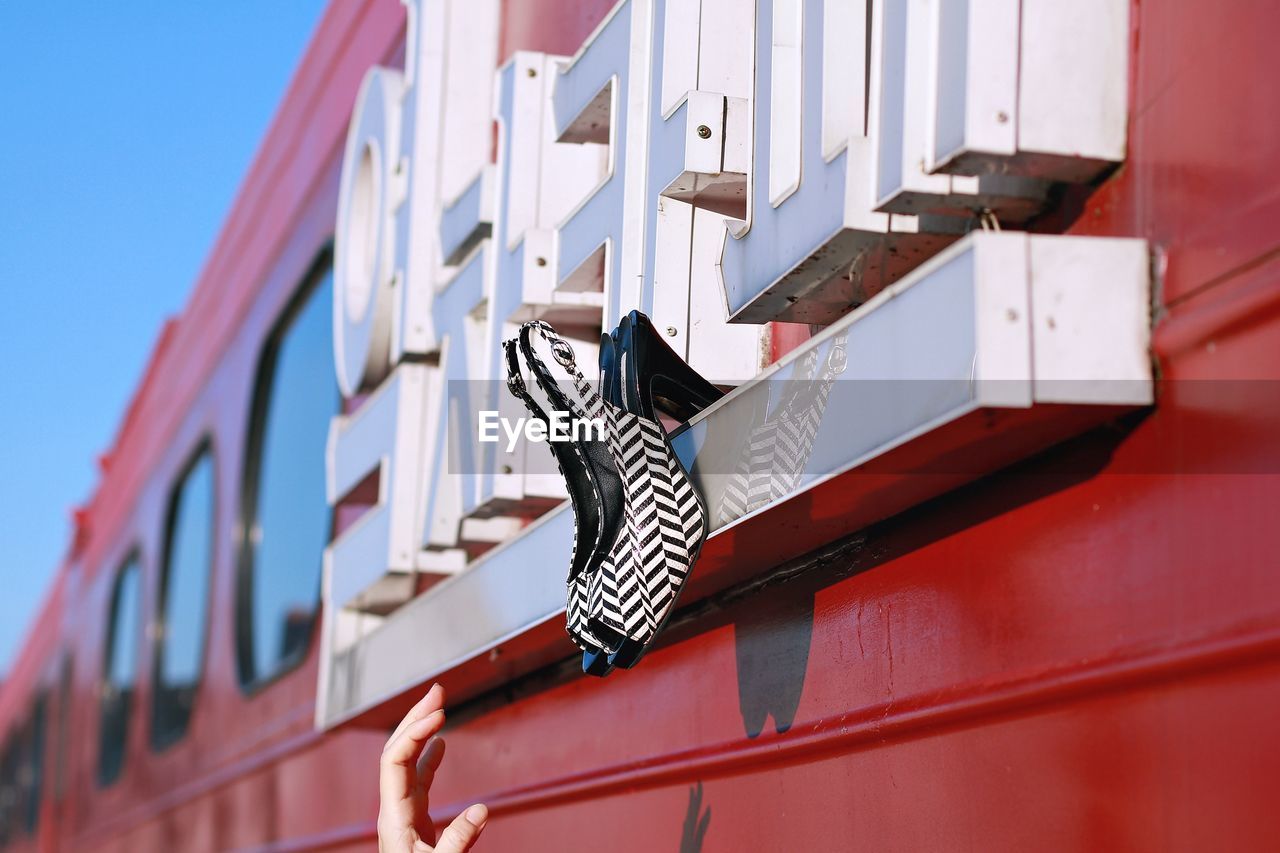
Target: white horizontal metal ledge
(999, 347)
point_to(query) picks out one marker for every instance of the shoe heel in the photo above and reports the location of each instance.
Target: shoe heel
(628, 654)
(596, 663)
(610, 384)
(660, 379)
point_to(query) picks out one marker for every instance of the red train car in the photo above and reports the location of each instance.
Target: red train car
(1045, 617)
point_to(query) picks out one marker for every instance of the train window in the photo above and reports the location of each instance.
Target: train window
(65, 681)
(33, 769)
(286, 522)
(8, 790)
(183, 602)
(120, 673)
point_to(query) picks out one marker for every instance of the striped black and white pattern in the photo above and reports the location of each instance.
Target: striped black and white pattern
(634, 587)
(774, 456)
(665, 529)
(576, 614)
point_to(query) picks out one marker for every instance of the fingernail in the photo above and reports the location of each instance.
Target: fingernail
(427, 722)
(477, 815)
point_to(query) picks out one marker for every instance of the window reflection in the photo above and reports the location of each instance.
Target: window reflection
(9, 759)
(120, 675)
(33, 777)
(288, 516)
(184, 592)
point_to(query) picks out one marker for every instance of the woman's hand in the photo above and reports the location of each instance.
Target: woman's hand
(409, 762)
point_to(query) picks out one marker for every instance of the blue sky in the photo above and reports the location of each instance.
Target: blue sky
(125, 130)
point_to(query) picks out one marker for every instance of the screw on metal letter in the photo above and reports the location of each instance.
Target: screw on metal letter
(704, 131)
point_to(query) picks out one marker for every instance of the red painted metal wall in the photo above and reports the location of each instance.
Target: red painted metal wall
(1077, 654)
(1081, 653)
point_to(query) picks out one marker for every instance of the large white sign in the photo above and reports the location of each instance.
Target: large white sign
(718, 164)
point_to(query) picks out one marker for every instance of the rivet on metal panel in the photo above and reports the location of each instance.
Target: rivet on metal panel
(671, 331)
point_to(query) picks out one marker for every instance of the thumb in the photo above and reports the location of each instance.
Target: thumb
(463, 832)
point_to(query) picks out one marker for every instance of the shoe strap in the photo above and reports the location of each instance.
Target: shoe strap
(592, 406)
(515, 381)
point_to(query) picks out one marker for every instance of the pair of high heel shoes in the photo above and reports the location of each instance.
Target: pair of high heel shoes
(639, 523)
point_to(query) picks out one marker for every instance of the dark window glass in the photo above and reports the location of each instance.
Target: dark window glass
(183, 607)
(33, 771)
(287, 521)
(120, 675)
(9, 790)
(64, 725)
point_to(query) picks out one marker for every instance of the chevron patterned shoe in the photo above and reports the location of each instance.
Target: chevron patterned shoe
(642, 562)
(594, 494)
(665, 530)
(666, 518)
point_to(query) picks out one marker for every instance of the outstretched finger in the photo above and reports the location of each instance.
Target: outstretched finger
(398, 767)
(432, 700)
(463, 832)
